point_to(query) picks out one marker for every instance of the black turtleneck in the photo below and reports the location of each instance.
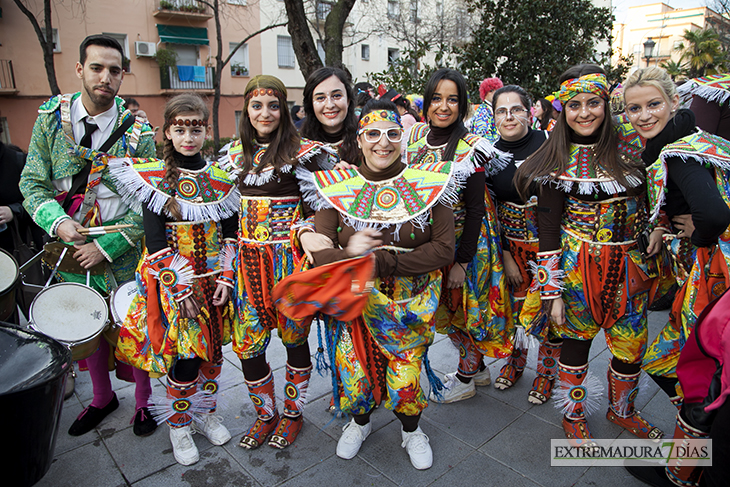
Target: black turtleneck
(691, 187)
(502, 184)
(439, 136)
(333, 138)
(154, 224)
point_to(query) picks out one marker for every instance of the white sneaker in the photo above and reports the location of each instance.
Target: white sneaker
(416, 444)
(213, 429)
(183, 446)
(351, 440)
(482, 378)
(454, 390)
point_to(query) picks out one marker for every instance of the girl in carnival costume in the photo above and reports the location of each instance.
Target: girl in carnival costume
(482, 123)
(688, 172)
(590, 274)
(329, 103)
(474, 309)
(518, 223)
(178, 322)
(397, 211)
(265, 159)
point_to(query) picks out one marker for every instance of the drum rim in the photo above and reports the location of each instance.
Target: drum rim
(83, 340)
(17, 272)
(117, 320)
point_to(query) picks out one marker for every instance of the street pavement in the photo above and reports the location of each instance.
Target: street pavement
(496, 438)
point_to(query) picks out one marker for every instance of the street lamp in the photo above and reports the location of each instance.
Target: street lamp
(648, 49)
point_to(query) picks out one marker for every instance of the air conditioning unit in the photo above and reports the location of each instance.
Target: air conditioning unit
(145, 49)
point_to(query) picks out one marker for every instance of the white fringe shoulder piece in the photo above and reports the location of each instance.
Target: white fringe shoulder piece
(206, 194)
(231, 160)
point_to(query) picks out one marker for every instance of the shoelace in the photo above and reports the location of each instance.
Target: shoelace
(353, 431)
(143, 416)
(417, 442)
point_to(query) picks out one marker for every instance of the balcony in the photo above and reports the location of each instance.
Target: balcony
(190, 10)
(187, 78)
(7, 78)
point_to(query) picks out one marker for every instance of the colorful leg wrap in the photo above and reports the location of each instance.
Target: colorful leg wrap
(290, 424)
(469, 356)
(262, 395)
(547, 367)
(685, 472)
(182, 404)
(208, 381)
(622, 392)
(512, 370)
(577, 395)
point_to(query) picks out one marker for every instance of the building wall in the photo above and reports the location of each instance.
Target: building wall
(136, 20)
(665, 25)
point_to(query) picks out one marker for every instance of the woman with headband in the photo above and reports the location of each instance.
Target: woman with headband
(265, 160)
(474, 309)
(590, 274)
(397, 212)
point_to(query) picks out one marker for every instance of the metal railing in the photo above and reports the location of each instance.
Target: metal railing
(170, 80)
(7, 76)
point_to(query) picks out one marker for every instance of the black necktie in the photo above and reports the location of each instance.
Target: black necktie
(89, 129)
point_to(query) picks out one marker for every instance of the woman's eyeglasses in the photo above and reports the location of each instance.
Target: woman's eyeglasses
(373, 135)
(514, 111)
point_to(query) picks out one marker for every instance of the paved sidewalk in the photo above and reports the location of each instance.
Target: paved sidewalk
(496, 438)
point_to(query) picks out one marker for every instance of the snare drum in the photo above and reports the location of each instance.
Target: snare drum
(71, 313)
(9, 276)
(119, 303)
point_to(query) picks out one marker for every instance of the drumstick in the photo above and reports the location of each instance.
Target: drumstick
(58, 264)
(103, 230)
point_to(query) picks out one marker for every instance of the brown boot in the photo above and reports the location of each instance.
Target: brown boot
(685, 472)
(295, 390)
(547, 367)
(512, 370)
(622, 392)
(262, 395)
(577, 395)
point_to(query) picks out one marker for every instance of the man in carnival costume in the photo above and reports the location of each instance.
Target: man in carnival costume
(66, 187)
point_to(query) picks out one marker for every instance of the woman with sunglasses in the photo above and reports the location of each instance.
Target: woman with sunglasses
(397, 212)
(474, 310)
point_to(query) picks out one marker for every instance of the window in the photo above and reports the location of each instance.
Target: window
(187, 55)
(239, 61)
(5, 132)
(393, 55)
(414, 11)
(462, 23)
(56, 41)
(439, 9)
(122, 39)
(239, 114)
(365, 52)
(237, 2)
(677, 45)
(320, 51)
(285, 52)
(323, 10)
(393, 8)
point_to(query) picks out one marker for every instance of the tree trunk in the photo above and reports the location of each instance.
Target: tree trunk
(333, 27)
(217, 77)
(46, 42)
(304, 46)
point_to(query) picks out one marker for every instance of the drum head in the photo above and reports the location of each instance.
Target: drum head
(69, 312)
(8, 271)
(122, 299)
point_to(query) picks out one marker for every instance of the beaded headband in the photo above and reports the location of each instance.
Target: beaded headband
(188, 123)
(590, 83)
(264, 91)
(380, 116)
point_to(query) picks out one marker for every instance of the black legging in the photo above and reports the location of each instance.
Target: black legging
(257, 368)
(719, 473)
(186, 370)
(575, 353)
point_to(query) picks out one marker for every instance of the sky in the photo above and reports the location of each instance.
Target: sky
(621, 7)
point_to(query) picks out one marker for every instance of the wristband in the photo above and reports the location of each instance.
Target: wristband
(173, 272)
(547, 274)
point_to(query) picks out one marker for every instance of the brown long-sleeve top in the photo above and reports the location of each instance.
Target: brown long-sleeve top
(433, 247)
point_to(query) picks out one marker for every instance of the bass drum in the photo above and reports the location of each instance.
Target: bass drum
(33, 371)
(119, 303)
